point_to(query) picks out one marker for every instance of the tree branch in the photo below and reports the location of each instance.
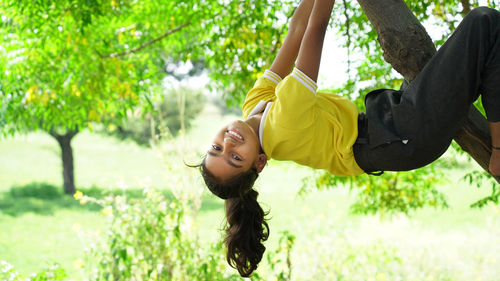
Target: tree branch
(134, 50)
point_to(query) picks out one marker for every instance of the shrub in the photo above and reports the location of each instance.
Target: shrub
(151, 239)
(36, 189)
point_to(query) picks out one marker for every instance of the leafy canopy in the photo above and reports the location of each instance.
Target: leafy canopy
(71, 62)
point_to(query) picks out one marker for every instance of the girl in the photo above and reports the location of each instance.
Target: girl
(286, 119)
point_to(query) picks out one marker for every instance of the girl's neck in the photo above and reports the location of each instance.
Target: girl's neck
(254, 122)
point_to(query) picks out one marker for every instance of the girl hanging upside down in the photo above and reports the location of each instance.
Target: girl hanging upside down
(285, 118)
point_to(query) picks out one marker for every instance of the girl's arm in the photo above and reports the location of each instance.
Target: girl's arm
(283, 63)
(312, 44)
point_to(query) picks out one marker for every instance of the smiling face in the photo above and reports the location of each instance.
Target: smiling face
(235, 149)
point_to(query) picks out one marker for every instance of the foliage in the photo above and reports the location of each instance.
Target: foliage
(69, 63)
(53, 273)
(173, 114)
(152, 238)
(481, 179)
(147, 240)
(281, 260)
(390, 193)
(40, 190)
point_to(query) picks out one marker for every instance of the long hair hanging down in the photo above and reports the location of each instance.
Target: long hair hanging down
(246, 227)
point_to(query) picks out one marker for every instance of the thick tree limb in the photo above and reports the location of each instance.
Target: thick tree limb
(406, 44)
(408, 47)
(134, 50)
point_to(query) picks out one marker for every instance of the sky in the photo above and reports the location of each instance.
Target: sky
(333, 67)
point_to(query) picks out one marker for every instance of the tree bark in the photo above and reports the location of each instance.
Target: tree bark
(408, 47)
(406, 44)
(67, 158)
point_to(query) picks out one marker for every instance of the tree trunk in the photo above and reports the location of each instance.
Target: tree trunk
(67, 158)
(408, 47)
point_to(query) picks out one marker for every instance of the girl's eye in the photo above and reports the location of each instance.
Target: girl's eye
(236, 157)
(215, 147)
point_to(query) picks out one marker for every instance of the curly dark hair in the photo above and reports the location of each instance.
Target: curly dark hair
(246, 227)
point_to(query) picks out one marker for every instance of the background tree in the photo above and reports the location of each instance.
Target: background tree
(67, 63)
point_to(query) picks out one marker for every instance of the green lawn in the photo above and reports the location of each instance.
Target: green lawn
(38, 225)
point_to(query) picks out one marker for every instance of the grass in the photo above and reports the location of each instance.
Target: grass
(38, 222)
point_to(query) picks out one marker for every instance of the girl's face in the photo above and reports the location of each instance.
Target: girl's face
(235, 149)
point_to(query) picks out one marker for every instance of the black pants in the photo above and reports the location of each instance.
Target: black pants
(405, 130)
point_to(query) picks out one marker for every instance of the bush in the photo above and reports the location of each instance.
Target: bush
(36, 189)
(152, 238)
(149, 239)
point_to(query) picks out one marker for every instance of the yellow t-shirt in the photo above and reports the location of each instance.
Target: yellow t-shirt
(313, 129)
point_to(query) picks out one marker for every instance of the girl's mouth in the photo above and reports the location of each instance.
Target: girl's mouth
(235, 134)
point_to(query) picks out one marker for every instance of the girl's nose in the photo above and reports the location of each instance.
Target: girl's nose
(229, 141)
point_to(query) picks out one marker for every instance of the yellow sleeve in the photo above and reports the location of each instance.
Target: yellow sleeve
(296, 96)
(263, 89)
